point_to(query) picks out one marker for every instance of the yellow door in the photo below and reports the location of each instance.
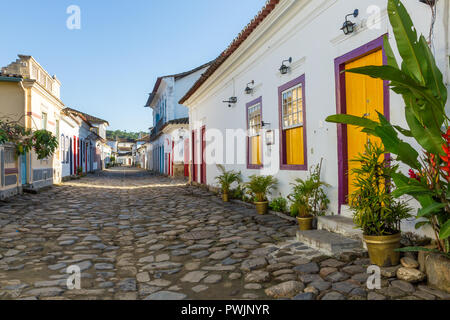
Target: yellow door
(294, 146)
(364, 98)
(256, 150)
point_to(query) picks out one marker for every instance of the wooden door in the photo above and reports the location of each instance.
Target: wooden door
(364, 97)
(194, 157)
(203, 155)
(23, 168)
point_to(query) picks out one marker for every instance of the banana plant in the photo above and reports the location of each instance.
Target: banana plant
(420, 82)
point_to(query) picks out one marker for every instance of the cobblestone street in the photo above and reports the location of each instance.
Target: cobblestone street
(137, 236)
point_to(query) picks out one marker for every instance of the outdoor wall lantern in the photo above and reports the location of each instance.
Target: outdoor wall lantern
(284, 68)
(182, 132)
(248, 89)
(349, 26)
(231, 101)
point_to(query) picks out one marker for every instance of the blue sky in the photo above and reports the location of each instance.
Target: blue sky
(108, 67)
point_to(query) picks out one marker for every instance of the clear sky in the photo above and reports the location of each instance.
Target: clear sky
(108, 67)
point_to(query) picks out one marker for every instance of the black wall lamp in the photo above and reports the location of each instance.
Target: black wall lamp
(349, 26)
(248, 89)
(232, 100)
(284, 68)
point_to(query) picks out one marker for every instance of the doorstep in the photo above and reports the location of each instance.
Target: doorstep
(328, 242)
(341, 225)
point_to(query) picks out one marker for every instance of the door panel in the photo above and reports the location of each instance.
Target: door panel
(255, 154)
(203, 156)
(23, 168)
(194, 157)
(364, 97)
(294, 146)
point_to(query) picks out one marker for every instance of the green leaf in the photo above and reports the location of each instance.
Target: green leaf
(402, 81)
(352, 120)
(406, 133)
(393, 144)
(432, 208)
(434, 77)
(445, 231)
(416, 249)
(411, 190)
(391, 61)
(429, 138)
(421, 224)
(387, 73)
(406, 37)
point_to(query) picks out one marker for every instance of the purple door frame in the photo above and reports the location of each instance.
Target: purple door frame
(341, 107)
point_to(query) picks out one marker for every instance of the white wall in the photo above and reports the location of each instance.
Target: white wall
(69, 128)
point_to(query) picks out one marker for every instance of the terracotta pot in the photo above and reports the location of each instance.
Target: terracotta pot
(262, 207)
(225, 197)
(305, 223)
(381, 249)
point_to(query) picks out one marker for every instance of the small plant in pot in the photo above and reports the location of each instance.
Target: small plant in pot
(258, 187)
(226, 179)
(375, 210)
(309, 199)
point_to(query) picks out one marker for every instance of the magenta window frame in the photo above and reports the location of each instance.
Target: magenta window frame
(249, 165)
(282, 136)
(341, 108)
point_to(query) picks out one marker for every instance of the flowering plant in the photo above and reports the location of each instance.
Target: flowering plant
(42, 141)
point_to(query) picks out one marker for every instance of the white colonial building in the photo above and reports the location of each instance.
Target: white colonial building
(281, 78)
(170, 134)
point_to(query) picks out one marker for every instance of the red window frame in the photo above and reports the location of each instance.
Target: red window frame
(282, 136)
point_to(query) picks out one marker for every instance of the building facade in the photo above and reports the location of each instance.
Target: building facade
(168, 137)
(35, 103)
(261, 107)
(126, 151)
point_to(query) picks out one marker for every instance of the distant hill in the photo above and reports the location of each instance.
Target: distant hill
(119, 134)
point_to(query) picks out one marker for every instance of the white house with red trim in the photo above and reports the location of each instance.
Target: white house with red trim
(168, 138)
(80, 144)
(280, 79)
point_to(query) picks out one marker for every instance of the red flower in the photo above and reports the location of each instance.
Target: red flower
(413, 175)
(446, 159)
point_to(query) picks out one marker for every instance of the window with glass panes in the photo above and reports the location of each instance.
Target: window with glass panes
(292, 122)
(254, 130)
(44, 119)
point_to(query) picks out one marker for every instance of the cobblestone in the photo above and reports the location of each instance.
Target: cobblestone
(139, 236)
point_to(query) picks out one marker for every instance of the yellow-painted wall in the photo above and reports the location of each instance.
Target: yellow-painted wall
(12, 101)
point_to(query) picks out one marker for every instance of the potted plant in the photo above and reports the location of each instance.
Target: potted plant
(226, 179)
(258, 187)
(278, 204)
(421, 84)
(309, 199)
(375, 210)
